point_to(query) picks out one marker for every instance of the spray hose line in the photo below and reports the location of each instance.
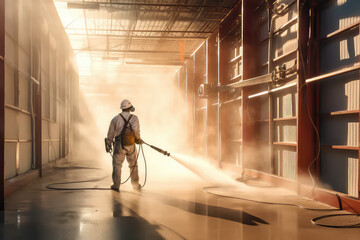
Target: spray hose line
(52, 185)
(354, 222)
(131, 167)
(208, 191)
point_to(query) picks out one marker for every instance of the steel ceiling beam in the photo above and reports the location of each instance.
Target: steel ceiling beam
(125, 51)
(83, 5)
(150, 17)
(174, 38)
(148, 10)
(137, 55)
(139, 31)
(164, 63)
(93, 3)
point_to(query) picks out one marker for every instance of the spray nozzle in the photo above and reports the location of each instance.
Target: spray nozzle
(158, 149)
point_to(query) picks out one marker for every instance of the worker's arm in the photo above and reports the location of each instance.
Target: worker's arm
(111, 131)
(136, 127)
(110, 137)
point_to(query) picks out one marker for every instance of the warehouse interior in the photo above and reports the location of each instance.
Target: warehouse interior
(249, 110)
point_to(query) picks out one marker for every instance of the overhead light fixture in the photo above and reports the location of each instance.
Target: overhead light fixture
(83, 5)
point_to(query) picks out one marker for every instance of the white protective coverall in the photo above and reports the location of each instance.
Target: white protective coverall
(115, 128)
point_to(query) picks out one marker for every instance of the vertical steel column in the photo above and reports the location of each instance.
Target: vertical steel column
(190, 102)
(221, 81)
(185, 65)
(306, 138)
(63, 109)
(219, 102)
(211, 72)
(270, 98)
(314, 69)
(199, 115)
(207, 100)
(249, 71)
(194, 91)
(178, 86)
(2, 108)
(271, 133)
(359, 145)
(224, 56)
(37, 93)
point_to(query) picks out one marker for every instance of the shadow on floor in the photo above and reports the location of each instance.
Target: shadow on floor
(131, 225)
(208, 210)
(58, 223)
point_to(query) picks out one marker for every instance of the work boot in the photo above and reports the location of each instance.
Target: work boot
(114, 188)
(136, 186)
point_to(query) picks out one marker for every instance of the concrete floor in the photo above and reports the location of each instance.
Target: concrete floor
(178, 209)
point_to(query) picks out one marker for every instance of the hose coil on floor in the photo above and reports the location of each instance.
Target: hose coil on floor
(52, 186)
(332, 220)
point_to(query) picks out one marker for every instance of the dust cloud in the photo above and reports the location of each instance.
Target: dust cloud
(163, 116)
(161, 111)
(163, 120)
(204, 169)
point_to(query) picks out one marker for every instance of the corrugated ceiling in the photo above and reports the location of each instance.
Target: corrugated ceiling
(148, 31)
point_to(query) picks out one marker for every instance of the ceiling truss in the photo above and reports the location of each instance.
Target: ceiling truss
(131, 31)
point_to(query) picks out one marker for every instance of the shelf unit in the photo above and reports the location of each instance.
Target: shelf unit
(339, 109)
(342, 147)
(276, 123)
(344, 112)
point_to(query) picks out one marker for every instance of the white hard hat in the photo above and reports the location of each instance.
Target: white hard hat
(125, 104)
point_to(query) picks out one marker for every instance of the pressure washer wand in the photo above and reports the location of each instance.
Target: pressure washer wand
(158, 149)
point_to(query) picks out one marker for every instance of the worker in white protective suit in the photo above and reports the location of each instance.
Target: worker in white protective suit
(125, 129)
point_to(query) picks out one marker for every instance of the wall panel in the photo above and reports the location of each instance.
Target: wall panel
(9, 86)
(45, 152)
(24, 126)
(23, 60)
(25, 157)
(33, 36)
(10, 50)
(24, 93)
(10, 160)
(11, 121)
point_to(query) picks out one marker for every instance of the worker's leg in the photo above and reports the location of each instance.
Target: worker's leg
(131, 157)
(118, 159)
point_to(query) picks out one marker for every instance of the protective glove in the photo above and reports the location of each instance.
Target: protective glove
(139, 141)
(108, 145)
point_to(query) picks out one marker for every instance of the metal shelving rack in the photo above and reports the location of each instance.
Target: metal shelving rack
(340, 147)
